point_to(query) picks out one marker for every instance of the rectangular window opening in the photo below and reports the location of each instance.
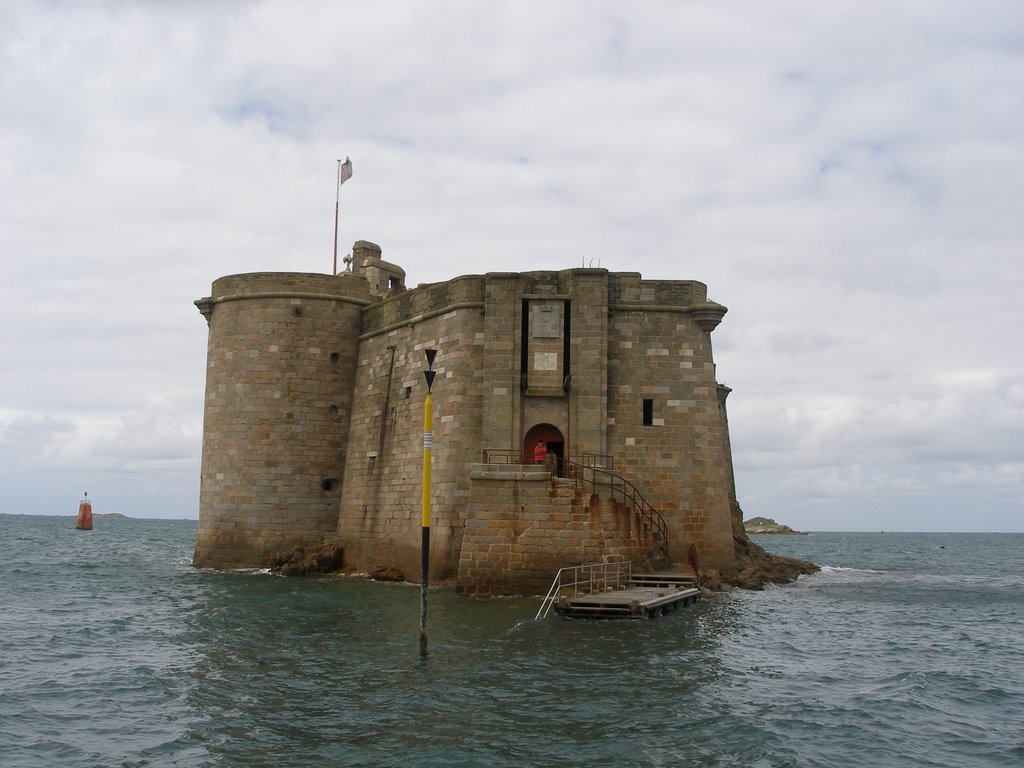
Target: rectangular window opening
(648, 412)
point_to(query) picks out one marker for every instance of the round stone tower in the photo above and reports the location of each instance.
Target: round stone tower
(281, 366)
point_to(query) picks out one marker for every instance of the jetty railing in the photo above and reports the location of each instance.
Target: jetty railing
(586, 580)
(597, 478)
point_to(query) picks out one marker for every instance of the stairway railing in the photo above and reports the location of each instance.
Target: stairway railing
(595, 471)
(619, 488)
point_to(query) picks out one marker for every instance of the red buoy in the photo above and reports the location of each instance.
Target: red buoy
(84, 514)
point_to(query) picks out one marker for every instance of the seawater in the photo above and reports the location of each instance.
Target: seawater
(906, 650)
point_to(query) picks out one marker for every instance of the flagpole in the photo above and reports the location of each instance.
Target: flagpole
(337, 199)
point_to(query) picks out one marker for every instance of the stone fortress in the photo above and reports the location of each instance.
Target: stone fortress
(314, 423)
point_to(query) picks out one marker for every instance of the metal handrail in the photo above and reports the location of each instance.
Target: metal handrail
(598, 477)
(502, 456)
(513, 456)
(604, 460)
(586, 580)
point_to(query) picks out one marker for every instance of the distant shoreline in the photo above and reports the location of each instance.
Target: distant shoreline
(765, 525)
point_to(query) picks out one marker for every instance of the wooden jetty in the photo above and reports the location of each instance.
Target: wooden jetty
(612, 590)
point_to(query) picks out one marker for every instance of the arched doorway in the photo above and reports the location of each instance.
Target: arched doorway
(552, 438)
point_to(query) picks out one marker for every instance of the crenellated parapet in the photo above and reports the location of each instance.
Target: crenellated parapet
(423, 303)
(627, 288)
(285, 285)
(685, 297)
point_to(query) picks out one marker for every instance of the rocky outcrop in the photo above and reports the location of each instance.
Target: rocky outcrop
(303, 561)
(754, 569)
(385, 573)
(761, 525)
(327, 558)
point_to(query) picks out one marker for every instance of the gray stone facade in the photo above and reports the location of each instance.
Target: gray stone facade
(314, 419)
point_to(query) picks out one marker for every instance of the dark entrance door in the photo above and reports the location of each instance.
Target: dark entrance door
(551, 436)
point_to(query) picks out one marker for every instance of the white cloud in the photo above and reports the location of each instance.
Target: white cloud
(845, 177)
(155, 438)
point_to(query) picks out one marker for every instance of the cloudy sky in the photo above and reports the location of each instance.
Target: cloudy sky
(846, 177)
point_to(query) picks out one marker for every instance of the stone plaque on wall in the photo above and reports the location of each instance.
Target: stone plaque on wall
(545, 361)
(546, 320)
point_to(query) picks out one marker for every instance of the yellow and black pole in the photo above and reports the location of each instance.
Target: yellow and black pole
(428, 447)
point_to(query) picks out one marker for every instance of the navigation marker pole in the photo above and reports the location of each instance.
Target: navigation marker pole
(428, 446)
(344, 174)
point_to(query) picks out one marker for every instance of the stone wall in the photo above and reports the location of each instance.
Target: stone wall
(280, 365)
(660, 351)
(588, 384)
(380, 510)
(501, 395)
(548, 381)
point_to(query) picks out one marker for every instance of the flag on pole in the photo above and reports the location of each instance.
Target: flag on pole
(344, 174)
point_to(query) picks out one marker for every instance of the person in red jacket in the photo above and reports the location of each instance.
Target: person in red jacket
(540, 452)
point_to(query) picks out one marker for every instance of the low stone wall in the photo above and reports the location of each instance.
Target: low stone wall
(522, 525)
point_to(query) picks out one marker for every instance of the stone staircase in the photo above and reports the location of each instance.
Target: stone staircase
(619, 491)
(523, 523)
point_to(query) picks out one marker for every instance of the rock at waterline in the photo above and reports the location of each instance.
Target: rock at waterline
(303, 561)
(755, 569)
